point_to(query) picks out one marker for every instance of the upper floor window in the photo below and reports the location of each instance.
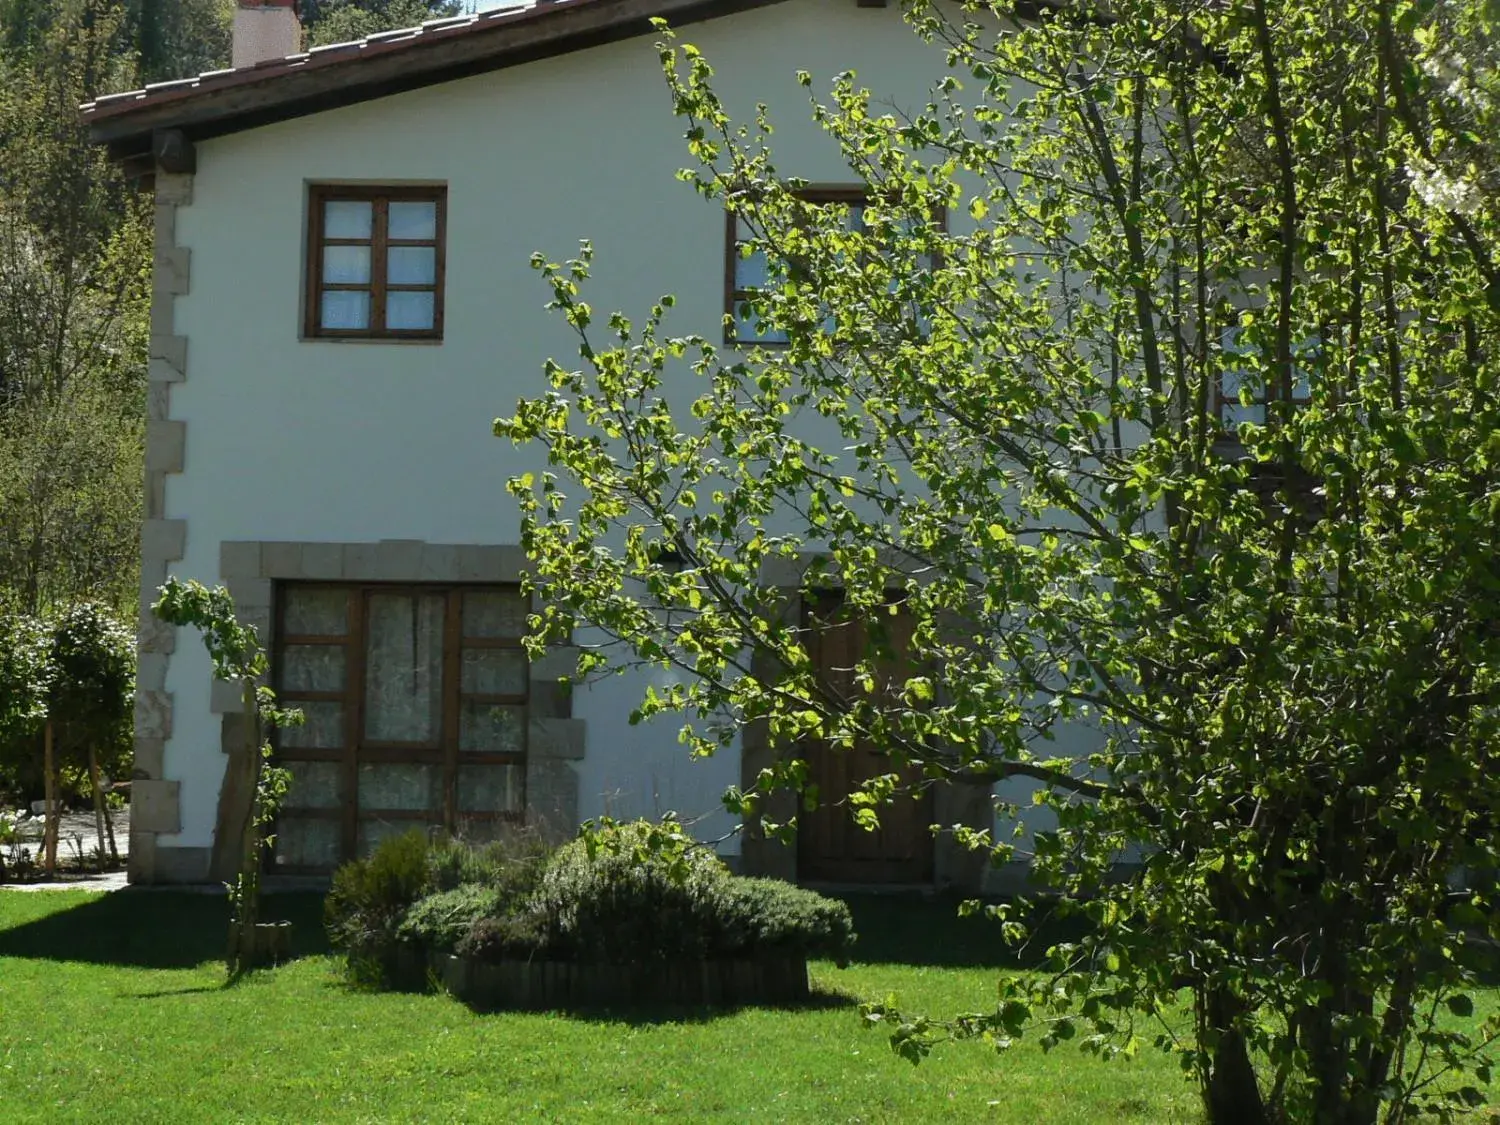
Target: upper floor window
(375, 263)
(748, 270)
(1244, 392)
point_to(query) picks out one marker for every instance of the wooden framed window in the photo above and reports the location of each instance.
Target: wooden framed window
(375, 259)
(416, 705)
(745, 274)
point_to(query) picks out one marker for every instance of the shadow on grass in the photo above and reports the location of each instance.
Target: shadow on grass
(925, 930)
(155, 929)
(167, 930)
(652, 1015)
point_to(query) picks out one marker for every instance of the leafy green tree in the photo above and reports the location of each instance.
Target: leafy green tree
(75, 261)
(92, 654)
(66, 687)
(176, 38)
(1183, 430)
(339, 21)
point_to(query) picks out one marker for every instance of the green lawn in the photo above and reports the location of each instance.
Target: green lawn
(114, 1009)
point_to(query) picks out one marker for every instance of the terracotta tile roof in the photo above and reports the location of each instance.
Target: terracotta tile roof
(228, 101)
(334, 54)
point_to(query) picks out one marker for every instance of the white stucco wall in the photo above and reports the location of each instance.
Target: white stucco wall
(346, 442)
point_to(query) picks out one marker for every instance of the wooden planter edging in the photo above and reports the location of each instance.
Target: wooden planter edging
(542, 985)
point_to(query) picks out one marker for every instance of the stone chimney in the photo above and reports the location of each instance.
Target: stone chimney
(264, 30)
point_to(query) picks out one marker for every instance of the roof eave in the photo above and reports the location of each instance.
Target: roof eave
(304, 84)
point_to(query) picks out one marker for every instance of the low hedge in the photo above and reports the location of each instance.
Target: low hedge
(439, 921)
(641, 893)
(767, 915)
(415, 893)
(631, 892)
(625, 894)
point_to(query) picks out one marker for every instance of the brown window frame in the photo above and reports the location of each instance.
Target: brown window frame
(733, 296)
(443, 751)
(380, 244)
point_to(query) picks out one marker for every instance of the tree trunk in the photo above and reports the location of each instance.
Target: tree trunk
(241, 951)
(98, 803)
(49, 781)
(1231, 1094)
(109, 828)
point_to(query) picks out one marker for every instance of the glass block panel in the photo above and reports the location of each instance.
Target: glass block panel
(346, 265)
(491, 728)
(315, 785)
(495, 613)
(348, 218)
(491, 788)
(410, 311)
(375, 830)
(312, 668)
(386, 785)
(304, 842)
(404, 667)
(322, 728)
(494, 671)
(317, 611)
(411, 220)
(411, 265)
(346, 309)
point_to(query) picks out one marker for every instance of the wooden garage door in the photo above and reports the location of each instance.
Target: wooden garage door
(415, 699)
(831, 847)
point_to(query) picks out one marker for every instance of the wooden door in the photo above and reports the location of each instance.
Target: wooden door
(831, 847)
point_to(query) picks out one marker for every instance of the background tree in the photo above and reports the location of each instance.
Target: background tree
(90, 702)
(75, 262)
(339, 21)
(1186, 437)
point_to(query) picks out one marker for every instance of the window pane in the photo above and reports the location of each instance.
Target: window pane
(348, 218)
(312, 668)
(346, 265)
(491, 728)
(410, 265)
(307, 843)
(315, 785)
(494, 671)
(746, 330)
(408, 310)
(404, 667)
(407, 787)
(411, 220)
(317, 611)
(495, 613)
(322, 729)
(346, 310)
(751, 272)
(491, 788)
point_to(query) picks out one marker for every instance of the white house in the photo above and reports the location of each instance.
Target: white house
(343, 304)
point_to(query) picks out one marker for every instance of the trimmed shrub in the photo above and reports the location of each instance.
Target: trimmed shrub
(415, 894)
(438, 921)
(512, 865)
(765, 915)
(508, 937)
(630, 892)
(369, 898)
